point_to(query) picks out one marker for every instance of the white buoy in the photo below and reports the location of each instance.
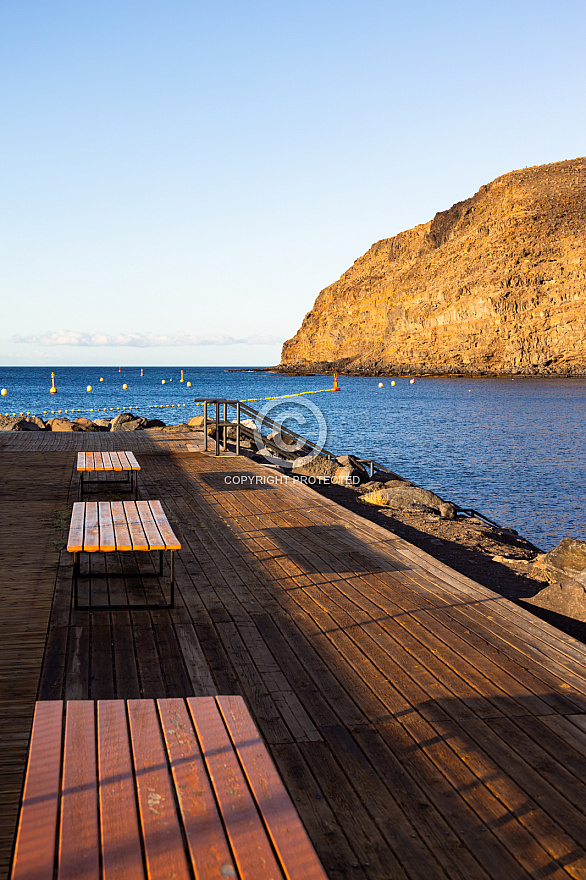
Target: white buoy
(89, 388)
(101, 380)
(125, 386)
(162, 381)
(380, 384)
(4, 392)
(411, 381)
(393, 382)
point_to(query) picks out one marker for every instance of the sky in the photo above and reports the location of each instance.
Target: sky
(180, 179)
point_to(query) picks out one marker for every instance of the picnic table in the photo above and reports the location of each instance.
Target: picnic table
(107, 462)
(122, 526)
(176, 788)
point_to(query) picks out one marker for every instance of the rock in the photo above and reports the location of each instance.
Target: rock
(405, 497)
(230, 432)
(567, 560)
(352, 462)
(319, 467)
(128, 422)
(85, 425)
(494, 285)
(567, 598)
(447, 510)
(155, 423)
(248, 423)
(372, 486)
(283, 442)
(21, 423)
(62, 425)
(196, 422)
(394, 484)
(27, 425)
(103, 424)
(181, 428)
(348, 476)
(36, 420)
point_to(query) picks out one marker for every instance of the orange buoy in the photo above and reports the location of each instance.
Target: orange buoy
(336, 386)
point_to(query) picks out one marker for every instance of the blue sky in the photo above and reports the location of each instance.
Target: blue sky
(179, 180)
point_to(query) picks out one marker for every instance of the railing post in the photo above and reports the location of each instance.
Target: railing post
(217, 427)
(237, 427)
(205, 426)
(371, 469)
(225, 428)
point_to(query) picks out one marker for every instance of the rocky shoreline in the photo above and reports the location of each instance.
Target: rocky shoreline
(124, 421)
(551, 585)
(327, 368)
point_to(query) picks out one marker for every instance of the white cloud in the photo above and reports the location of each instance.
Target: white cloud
(138, 340)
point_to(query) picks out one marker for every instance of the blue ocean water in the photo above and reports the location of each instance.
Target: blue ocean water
(513, 449)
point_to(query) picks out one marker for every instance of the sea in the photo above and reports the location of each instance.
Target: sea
(513, 449)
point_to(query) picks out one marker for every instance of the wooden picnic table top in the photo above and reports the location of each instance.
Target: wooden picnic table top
(106, 526)
(122, 460)
(209, 797)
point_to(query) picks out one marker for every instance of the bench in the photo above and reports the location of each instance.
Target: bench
(158, 789)
(108, 526)
(102, 462)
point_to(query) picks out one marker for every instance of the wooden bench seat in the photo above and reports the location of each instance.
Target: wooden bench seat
(103, 462)
(108, 526)
(172, 788)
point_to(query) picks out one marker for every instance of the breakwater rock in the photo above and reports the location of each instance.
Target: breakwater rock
(496, 285)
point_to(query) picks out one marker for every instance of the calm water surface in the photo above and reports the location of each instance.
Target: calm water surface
(513, 449)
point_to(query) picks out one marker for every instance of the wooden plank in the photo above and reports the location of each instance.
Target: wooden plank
(208, 848)
(134, 465)
(81, 461)
(171, 542)
(34, 853)
(89, 461)
(106, 461)
(121, 847)
(251, 848)
(76, 528)
(115, 459)
(91, 532)
(121, 532)
(107, 540)
(153, 536)
(137, 535)
(297, 855)
(78, 836)
(98, 465)
(163, 840)
(127, 685)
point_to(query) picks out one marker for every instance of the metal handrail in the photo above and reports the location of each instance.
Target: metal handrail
(241, 408)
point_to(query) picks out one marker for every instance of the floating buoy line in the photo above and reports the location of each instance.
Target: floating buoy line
(106, 409)
(113, 409)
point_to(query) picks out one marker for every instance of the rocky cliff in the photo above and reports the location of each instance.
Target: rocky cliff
(496, 285)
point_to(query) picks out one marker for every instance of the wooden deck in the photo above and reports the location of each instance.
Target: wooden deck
(424, 726)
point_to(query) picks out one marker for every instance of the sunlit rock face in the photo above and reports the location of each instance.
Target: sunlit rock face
(496, 285)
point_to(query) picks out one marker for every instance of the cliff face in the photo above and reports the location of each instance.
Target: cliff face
(495, 285)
